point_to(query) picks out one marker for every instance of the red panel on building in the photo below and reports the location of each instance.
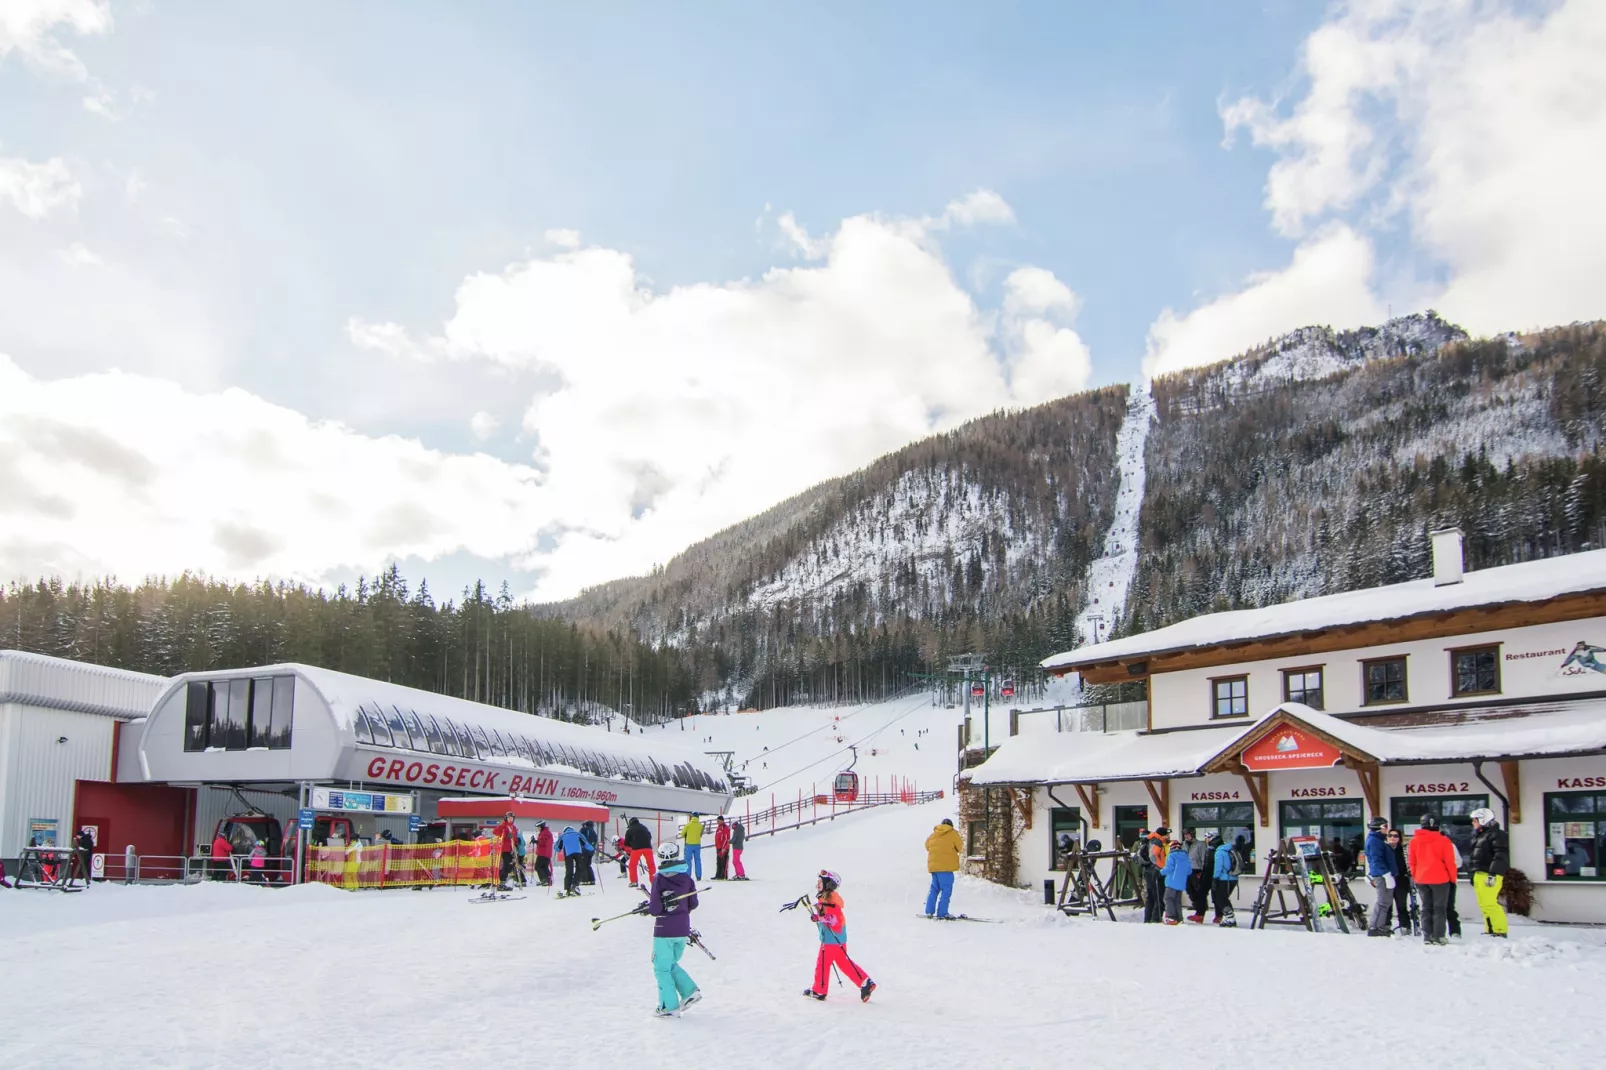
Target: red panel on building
(1287, 747)
(155, 818)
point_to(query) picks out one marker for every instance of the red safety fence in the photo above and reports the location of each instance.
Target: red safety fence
(389, 865)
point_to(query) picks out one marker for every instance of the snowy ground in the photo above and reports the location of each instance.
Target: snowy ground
(221, 975)
(217, 975)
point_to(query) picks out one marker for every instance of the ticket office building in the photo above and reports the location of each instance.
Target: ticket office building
(1426, 697)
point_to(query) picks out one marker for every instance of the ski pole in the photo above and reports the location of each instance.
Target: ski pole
(696, 940)
(641, 908)
(800, 901)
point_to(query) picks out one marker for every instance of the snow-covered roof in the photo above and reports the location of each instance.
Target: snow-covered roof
(61, 684)
(1527, 581)
(1536, 731)
(1532, 731)
(1087, 757)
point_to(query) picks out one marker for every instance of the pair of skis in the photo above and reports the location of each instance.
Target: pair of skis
(641, 908)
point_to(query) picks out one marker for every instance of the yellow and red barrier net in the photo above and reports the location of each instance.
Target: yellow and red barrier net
(390, 865)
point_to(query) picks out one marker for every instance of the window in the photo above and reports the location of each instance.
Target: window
(196, 706)
(376, 721)
(975, 837)
(498, 748)
(1451, 810)
(465, 745)
(1303, 685)
(398, 729)
(239, 714)
(1231, 696)
(1475, 671)
(1233, 822)
(1339, 825)
(482, 743)
(1129, 821)
(1062, 821)
(359, 725)
(1384, 680)
(1575, 836)
(432, 734)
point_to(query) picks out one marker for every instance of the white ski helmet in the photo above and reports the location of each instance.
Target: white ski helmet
(669, 852)
(1483, 816)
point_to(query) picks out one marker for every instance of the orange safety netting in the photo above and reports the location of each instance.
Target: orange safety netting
(388, 865)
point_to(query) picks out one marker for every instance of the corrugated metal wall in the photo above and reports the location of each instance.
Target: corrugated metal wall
(57, 683)
(214, 804)
(37, 772)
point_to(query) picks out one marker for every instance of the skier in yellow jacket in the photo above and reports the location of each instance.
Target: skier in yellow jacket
(943, 847)
(694, 846)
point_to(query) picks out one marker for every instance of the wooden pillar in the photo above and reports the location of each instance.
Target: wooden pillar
(1508, 771)
(1368, 775)
(1160, 792)
(1260, 792)
(1089, 794)
(1022, 798)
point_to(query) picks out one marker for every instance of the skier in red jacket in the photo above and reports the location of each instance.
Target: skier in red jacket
(1431, 857)
(505, 834)
(722, 851)
(543, 855)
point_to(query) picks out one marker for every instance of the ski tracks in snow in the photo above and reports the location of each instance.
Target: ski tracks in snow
(1110, 576)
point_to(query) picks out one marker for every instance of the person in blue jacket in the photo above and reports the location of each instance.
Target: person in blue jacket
(1382, 869)
(1223, 881)
(573, 846)
(1175, 875)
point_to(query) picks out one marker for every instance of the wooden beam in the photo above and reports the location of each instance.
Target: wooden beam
(1508, 770)
(1160, 792)
(1022, 799)
(1256, 783)
(1368, 774)
(1089, 794)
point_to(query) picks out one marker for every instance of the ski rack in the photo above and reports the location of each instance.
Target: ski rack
(1288, 872)
(1083, 891)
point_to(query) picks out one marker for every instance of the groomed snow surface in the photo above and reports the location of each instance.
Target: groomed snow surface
(222, 975)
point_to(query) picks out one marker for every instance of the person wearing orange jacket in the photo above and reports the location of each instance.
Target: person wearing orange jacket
(1432, 860)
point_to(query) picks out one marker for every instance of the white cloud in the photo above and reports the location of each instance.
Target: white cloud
(1483, 124)
(391, 338)
(79, 256)
(563, 238)
(674, 413)
(978, 206)
(133, 187)
(126, 474)
(798, 239)
(483, 425)
(28, 28)
(1328, 282)
(37, 189)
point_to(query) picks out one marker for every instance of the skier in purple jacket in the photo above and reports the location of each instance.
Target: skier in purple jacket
(672, 899)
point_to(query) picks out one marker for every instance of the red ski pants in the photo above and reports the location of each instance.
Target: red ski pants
(836, 955)
(637, 857)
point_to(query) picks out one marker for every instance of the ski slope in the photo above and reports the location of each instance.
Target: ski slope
(1110, 576)
(793, 751)
(224, 975)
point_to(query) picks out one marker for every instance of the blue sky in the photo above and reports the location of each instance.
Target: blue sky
(359, 216)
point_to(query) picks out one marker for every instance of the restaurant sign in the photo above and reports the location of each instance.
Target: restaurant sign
(1286, 747)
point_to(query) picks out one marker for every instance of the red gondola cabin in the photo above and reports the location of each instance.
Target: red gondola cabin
(847, 786)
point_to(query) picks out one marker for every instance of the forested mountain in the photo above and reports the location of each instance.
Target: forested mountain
(484, 648)
(1258, 493)
(975, 539)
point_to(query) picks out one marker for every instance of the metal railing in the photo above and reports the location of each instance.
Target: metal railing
(1100, 717)
(827, 809)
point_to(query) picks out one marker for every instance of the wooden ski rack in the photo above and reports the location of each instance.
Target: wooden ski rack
(1290, 873)
(1083, 891)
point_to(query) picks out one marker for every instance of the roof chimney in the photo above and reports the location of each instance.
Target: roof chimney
(1447, 556)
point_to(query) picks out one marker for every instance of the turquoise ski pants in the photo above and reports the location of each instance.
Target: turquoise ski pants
(674, 984)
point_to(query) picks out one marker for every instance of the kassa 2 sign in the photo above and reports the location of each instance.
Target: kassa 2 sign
(1287, 747)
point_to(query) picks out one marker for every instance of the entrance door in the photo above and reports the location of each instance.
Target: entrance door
(1129, 821)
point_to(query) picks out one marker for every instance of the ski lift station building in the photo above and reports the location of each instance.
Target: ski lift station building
(1435, 696)
(157, 762)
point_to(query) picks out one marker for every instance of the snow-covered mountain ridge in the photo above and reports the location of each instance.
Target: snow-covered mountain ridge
(1307, 465)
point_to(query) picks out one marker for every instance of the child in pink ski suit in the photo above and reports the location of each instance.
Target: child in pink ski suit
(833, 924)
